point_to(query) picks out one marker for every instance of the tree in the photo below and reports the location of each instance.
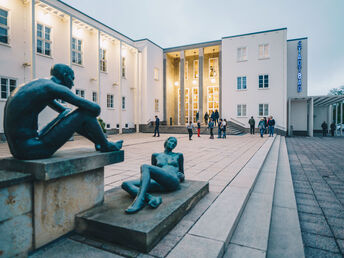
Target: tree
(337, 91)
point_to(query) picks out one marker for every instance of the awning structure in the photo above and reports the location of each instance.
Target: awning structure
(327, 100)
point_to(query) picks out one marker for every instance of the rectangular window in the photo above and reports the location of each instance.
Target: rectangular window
(7, 86)
(213, 67)
(80, 93)
(109, 101)
(123, 68)
(195, 69)
(156, 74)
(263, 81)
(77, 51)
(102, 60)
(123, 103)
(263, 110)
(94, 97)
(4, 28)
(241, 83)
(242, 54)
(263, 51)
(241, 110)
(43, 39)
(186, 70)
(156, 105)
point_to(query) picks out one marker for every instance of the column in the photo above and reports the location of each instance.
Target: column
(337, 107)
(289, 117)
(220, 82)
(164, 90)
(329, 120)
(310, 118)
(136, 98)
(33, 40)
(120, 89)
(200, 84)
(341, 118)
(182, 91)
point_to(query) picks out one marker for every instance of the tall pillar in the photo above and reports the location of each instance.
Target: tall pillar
(164, 74)
(329, 120)
(310, 118)
(182, 91)
(200, 84)
(136, 95)
(220, 82)
(337, 108)
(33, 40)
(120, 89)
(289, 117)
(341, 118)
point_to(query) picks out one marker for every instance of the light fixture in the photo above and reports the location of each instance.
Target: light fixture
(176, 83)
(194, 82)
(213, 80)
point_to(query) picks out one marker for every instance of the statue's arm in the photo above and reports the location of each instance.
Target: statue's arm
(63, 93)
(57, 106)
(154, 161)
(181, 163)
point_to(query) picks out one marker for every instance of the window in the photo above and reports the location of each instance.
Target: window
(195, 69)
(156, 74)
(263, 51)
(94, 97)
(213, 99)
(241, 83)
(7, 86)
(263, 81)
(241, 110)
(43, 39)
(123, 103)
(102, 60)
(213, 67)
(156, 105)
(109, 100)
(242, 54)
(186, 70)
(194, 103)
(80, 93)
(77, 51)
(4, 38)
(123, 68)
(263, 110)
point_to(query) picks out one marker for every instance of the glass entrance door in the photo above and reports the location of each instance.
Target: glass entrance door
(213, 99)
(194, 104)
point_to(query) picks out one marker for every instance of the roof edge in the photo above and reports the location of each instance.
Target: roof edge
(252, 33)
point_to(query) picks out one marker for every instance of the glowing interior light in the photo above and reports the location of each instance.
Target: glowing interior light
(176, 83)
(194, 82)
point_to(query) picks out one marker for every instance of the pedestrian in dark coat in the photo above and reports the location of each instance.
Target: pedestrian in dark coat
(261, 126)
(219, 129)
(217, 116)
(211, 128)
(271, 124)
(266, 125)
(190, 127)
(156, 129)
(206, 117)
(212, 116)
(333, 128)
(324, 127)
(252, 123)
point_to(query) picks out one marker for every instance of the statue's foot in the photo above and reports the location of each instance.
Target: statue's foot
(97, 147)
(154, 202)
(137, 205)
(111, 146)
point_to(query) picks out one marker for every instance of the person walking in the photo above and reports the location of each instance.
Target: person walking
(211, 128)
(198, 128)
(324, 127)
(252, 123)
(261, 126)
(212, 116)
(266, 125)
(271, 124)
(217, 116)
(333, 128)
(224, 127)
(219, 128)
(197, 116)
(190, 127)
(156, 129)
(206, 117)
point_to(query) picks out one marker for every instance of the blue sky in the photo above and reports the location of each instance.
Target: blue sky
(178, 22)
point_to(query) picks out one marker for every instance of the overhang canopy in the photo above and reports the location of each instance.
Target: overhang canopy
(323, 100)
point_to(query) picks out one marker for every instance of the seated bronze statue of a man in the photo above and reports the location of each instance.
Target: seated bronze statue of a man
(164, 175)
(26, 102)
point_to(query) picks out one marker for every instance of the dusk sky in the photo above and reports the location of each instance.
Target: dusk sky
(180, 22)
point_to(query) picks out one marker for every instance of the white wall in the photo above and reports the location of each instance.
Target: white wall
(293, 69)
(274, 66)
(320, 115)
(299, 115)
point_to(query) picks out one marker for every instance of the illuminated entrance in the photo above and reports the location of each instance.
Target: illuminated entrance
(213, 99)
(194, 104)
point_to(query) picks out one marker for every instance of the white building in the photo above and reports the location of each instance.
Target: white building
(247, 75)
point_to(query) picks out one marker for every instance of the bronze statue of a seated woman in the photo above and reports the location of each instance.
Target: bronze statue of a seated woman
(164, 175)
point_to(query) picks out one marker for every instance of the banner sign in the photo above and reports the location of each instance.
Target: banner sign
(299, 67)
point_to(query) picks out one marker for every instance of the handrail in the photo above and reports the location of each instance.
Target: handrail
(240, 123)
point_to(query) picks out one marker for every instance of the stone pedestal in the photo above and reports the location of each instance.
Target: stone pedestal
(64, 185)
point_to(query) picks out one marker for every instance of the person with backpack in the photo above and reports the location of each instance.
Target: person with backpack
(271, 124)
(211, 128)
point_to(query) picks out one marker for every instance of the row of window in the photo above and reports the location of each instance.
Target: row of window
(263, 110)
(263, 82)
(263, 52)
(212, 65)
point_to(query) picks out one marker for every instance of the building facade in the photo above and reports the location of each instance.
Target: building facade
(257, 74)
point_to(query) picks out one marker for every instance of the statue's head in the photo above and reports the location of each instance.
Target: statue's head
(64, 74)
(170, 143)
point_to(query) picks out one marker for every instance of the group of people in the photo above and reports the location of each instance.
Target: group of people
(324, 127)
(214, 117)
(221, 128)
(264, 126)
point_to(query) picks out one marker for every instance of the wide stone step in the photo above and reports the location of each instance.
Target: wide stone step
(141, 231)
(250, 238)
(180, 129)
(285, 238)
(211, 233)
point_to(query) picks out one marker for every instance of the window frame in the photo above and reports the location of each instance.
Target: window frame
(156, 74)
(77, 51)
(195, 74)
(123, 103)
(123, 68)
(94, 93)
(81, 91)
(103, 60)
(216, 67)
(8, 86)
(240, 107)
(186, 70)
(110, 101)
(265, 46)
(6, 27)
(241, 83)
(44, 40)
(264, 82)
(263, 114)
(156, 105)
(240, 57)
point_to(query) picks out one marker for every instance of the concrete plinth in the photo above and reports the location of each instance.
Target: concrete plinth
(141, 231)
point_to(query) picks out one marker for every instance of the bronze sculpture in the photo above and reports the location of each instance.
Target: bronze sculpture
(26, 102)
(164, 175)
